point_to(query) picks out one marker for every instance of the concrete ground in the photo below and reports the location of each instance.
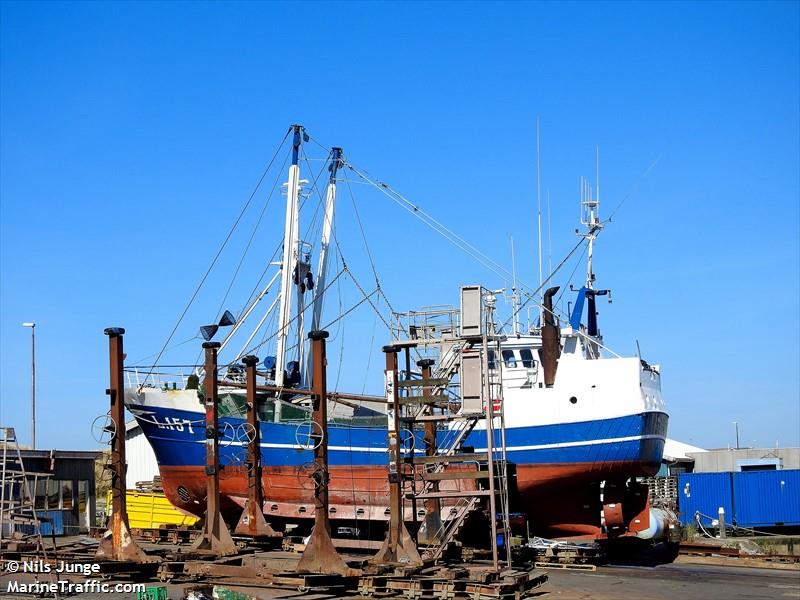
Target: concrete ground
(674, 582)
(665, 582)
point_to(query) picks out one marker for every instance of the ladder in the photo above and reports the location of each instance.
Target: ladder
(426, 402)
(17, 504)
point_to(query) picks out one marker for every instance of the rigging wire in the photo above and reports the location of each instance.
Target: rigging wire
(363, 233)
(179, 344)
(252, 237)
(569, 281)
(544, 283)
(293, 319)
(634, 187)
(366, 298)
(219, 252)
(247, 248)
(367, 248)
(369, 355)
(431, 222)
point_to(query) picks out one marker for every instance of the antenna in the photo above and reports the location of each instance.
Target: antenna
(590, 217)
(597, 172)
(514, 299)
(549, 240)
(539, 206)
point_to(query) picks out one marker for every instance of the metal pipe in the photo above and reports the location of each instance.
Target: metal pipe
(320, 556)
(32, 327)
(398, 547)
(252, 521)
(215, 536)
(119, 545)
(551, 344)
(429, 531)
(303, 392)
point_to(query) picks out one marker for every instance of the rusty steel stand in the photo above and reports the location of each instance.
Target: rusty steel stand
(215, 537)
(429, 532)
(398, 547)
(320, 556)
(252, 522)
(117, 543)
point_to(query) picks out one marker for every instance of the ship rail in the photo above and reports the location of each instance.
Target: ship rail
(429, 325)
(148, 377)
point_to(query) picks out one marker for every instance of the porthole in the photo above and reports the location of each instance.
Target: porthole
(573, 400)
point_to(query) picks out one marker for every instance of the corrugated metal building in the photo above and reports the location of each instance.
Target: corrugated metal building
(64, 493)
(745, 459)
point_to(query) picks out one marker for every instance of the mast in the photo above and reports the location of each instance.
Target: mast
(322, 265)
(590, 218)
(514, 297)
(539, 208)
(290, 254)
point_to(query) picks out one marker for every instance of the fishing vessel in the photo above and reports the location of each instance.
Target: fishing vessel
(580, 423)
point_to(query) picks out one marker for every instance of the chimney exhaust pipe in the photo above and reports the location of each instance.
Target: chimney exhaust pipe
(551, 342)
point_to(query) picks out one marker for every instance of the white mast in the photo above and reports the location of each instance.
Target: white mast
(539, 206)
(290, 255)
(590, 218)
(322, 266)
(514, 297)
(327, 226)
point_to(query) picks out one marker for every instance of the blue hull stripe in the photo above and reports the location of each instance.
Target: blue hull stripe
(178, 439)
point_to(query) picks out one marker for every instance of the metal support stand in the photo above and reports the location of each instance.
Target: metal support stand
(215, 537)
(117, 543)
(320, 556)
(431, 526)
(252, 522)
(398, 547)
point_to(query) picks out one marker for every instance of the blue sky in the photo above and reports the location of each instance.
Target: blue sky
(131, 135)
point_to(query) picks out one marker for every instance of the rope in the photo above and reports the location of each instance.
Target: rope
(363, 233)
(252, 237)
(634, 188)
(293, 319)
(543, 284)
(352, 308)
(441, 229)
(219, 252)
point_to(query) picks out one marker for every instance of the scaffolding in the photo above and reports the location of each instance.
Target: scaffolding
(433, 414)
(20, 525)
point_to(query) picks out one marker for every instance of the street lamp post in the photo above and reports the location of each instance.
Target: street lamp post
(736, 425)
(33, 382)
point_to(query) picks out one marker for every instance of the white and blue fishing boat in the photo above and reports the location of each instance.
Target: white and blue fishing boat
(581, 423)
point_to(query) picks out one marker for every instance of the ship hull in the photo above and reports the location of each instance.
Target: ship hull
(558, 467)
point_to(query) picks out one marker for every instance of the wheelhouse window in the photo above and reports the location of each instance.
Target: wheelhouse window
(526, 356)
(509, 359)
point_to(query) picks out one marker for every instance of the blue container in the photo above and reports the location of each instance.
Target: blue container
(704, 493)
(54, 523)
(767, 498)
